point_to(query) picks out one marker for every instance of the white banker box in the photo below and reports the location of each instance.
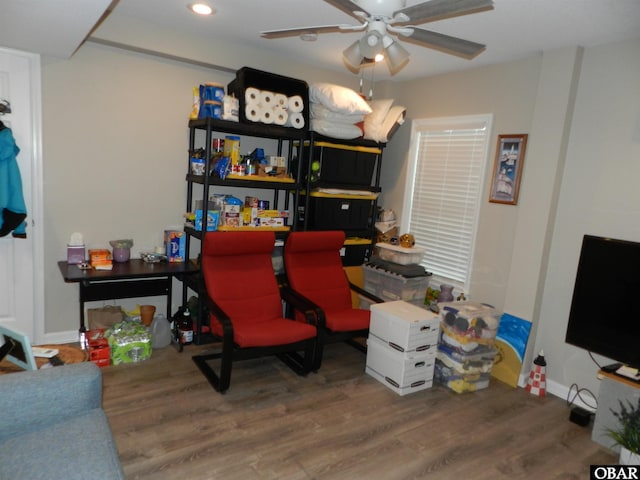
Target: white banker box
(401, 372)
(404, 326)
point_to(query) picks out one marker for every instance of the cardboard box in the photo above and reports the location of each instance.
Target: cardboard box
(100, 258)
(402, 372)
(271, 171)
(232, 216)
(404, 326)
(98, 346)
(213, 217)
(175, 243)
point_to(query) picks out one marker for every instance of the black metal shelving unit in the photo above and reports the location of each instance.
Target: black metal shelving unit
(285, 137)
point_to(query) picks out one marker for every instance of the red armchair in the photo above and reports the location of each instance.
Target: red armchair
(314, 271)
(245, 307)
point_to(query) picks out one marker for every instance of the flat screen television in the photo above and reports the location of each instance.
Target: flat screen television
(605, 308)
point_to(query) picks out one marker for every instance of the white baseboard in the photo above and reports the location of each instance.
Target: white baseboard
(559, 390)
(70, 336)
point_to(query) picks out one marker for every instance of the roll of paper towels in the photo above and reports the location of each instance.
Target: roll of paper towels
(253, 113)
(280, 116)
(281, 101)
(252, 96)
(267, 98)
(267, 115)
(295, 120)
(296, 105)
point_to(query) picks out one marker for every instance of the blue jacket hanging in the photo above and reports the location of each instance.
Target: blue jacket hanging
(12, 208)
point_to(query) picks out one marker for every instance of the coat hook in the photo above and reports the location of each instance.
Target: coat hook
(5, 107)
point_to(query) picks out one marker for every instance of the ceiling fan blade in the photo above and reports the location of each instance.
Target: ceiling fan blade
(445, 43)
(293, 32)
(348, 7)
(438, 9)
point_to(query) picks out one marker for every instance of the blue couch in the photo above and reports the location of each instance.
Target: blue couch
(52, 425)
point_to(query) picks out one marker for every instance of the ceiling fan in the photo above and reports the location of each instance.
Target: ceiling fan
(379, 18)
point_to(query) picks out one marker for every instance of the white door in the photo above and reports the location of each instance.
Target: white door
(21, 273)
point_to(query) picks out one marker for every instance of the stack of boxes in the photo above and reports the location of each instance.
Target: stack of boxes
(466, 349)
(394, 274)
(402, 345)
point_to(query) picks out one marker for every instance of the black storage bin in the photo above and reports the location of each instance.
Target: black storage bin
(355, 252)
(343, 165)
(337, 212)
(250, 77)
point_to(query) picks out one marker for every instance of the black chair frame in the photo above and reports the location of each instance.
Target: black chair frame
(326, 336)
(289, 353)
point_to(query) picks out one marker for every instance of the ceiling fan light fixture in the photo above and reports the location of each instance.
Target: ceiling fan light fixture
(396, 56)
(353, 55)
(371, 44)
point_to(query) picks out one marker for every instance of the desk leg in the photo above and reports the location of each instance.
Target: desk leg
(83, 329)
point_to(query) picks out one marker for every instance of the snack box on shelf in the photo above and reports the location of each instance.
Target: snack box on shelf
(402, 372)
(392, 286)
(469, 322)
(404, 326)
(398, 254)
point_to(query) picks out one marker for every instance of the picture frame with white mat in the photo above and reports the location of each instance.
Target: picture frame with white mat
(20, 352)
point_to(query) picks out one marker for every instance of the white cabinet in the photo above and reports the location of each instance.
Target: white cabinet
(613, 390)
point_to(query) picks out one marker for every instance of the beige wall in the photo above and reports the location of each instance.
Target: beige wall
(115, 146)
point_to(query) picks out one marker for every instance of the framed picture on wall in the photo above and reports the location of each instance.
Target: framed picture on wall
(507, 169)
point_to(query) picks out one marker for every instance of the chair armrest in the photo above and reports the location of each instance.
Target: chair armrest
(33, 399)
(364, 293)
(222, 317)
(312, 312)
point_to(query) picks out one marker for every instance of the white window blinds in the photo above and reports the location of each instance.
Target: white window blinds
(447, 164)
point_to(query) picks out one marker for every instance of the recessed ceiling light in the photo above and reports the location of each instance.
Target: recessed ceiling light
(200, 8)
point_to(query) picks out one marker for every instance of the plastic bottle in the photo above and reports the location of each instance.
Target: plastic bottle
(160, 332)
(185, 327)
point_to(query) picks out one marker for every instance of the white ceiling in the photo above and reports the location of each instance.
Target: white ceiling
(514, 29)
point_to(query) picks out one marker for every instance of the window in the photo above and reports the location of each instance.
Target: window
(442, 196)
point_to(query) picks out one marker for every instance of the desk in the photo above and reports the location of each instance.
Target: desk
(131, 279)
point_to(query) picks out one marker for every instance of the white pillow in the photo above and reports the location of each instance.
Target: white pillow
(373, 122)
(318, 110)
(338, 99)
(392, 121)
(333, 129)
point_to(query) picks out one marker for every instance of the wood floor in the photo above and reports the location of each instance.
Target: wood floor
(337, 424)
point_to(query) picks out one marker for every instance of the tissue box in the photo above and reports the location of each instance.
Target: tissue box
(175, 242)
(75, 254)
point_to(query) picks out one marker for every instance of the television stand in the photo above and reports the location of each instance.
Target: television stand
(614, 388)
(629, 373)
(611, 368)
